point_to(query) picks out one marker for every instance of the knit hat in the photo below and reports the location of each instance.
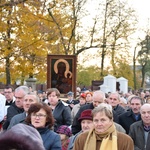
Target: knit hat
(21, 137)
(86, 114)
(63, 129)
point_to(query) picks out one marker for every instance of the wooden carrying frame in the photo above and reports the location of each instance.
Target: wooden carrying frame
(61, 72)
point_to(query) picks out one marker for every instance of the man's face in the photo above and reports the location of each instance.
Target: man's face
(19, 95)
(97, 99)
(28, 100)
(145, 114)
(147, 93)
(8, 93)
(135, 105)
(113, 100)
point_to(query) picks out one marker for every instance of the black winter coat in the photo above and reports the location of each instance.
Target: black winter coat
(12, 111)
(126, 119)
(62, 115)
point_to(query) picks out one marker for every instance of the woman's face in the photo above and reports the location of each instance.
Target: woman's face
(38, 119)
(53, 99)
(86, 125)
(82, 101)
(88, 98)
(101, 122)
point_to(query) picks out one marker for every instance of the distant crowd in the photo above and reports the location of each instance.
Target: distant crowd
(42, 120)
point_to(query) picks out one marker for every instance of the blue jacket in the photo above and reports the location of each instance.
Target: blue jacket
(51, 140)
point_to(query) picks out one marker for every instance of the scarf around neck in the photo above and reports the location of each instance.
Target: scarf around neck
(109, 139)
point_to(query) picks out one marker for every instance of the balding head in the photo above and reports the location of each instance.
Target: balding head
(145, 114)
(98, 98)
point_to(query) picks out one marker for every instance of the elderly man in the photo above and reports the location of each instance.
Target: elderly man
(29, 99)
(139, 131)
(133, 115)
(17, 106)
(98, 98)
(114, 100)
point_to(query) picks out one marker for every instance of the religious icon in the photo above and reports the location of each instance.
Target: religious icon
(62, 73)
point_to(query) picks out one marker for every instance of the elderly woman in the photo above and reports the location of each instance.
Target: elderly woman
(103, 136)
(61, 110)
(40, 117)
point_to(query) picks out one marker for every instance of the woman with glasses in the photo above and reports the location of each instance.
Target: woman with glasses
(40, 117)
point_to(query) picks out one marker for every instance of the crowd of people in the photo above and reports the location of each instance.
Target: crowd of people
(93, 120)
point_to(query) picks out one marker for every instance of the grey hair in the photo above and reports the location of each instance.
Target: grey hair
(98, 92)
(115, 93)
(36, 96)
(103, 107)
(23, 88)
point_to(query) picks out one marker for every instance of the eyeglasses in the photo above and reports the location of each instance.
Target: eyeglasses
(19, 97)
(7, 92)
(38, 115)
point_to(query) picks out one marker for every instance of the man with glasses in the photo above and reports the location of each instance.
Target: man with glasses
(17, 106)
(133, 115)
(5, 101)
(29, 99)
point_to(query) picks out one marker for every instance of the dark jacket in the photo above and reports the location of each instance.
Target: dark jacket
(62, 115)
(74, 102)
(17, 119)
(126, 119)
(51, 140)
(76, 126)
(137, 134)
(12, 111)
(119, 110)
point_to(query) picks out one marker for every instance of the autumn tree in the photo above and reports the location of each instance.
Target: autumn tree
(85, 74)
(39, 28)
(32, 29)
(144, 58)
(115, 26)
